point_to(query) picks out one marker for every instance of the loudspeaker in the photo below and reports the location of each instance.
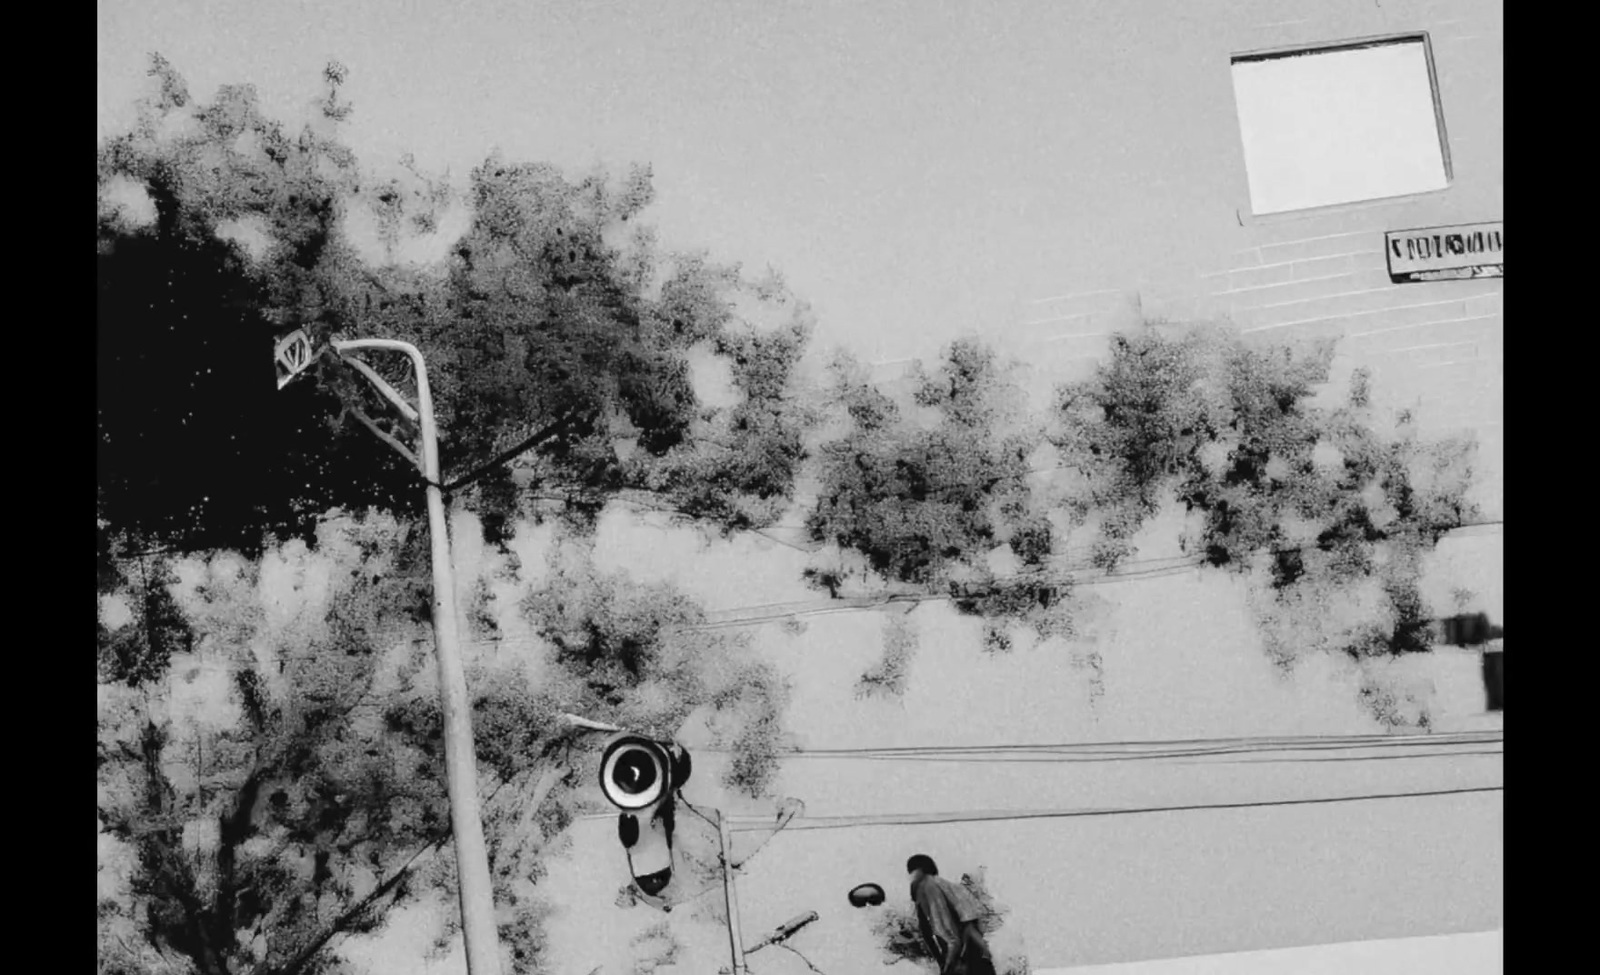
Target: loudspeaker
(637, 772)
(640, 776)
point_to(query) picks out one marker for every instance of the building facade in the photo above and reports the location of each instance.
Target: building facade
(1351, 268)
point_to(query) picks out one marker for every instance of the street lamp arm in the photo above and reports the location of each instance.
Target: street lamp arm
(378, 432)
(389, 392)
(425, 419)
(387, 345)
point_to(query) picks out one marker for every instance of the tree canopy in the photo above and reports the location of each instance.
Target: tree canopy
(1328, 499)
(926, 492)
(283, 787)
(305, 798)
(547, 325)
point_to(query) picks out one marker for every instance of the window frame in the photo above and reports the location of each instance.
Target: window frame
(1330, 47)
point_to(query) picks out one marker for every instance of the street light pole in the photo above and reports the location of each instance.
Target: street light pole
(478, 927)
(731, 896)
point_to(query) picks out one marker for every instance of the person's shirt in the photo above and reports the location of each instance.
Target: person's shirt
(946, 907)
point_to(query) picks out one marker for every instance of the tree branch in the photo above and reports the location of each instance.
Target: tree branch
(533, 441)
(304, 957)
(789, 947)
(234, 830)
(541, 790)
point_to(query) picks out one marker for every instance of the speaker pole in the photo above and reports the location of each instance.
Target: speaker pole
(730, 893)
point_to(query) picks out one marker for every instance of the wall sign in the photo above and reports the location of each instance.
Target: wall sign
(1474, 250)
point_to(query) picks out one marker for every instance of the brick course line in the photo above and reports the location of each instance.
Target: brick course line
(1371, 311)
(1401, 328)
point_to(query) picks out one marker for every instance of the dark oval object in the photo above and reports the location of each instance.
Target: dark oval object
(635, 772)
(682, 766)
(866, 895)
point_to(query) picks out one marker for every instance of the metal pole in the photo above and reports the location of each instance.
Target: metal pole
(478, 927)
(730, 892)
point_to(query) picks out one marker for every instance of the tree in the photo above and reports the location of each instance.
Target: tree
(305, 797)
(1334, 507)
(637, 656)
(926, 492)
(546, 327)
(1331, 505)
(271, 824)
(311, 801)
(217, 230)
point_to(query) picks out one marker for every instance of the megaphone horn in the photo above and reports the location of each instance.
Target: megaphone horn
(637, 772)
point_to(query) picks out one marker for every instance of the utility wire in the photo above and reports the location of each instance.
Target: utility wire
(503, 457)
(937, 819)
(1156, 756)
(1171, 745)
(1298, 750)
(783, 822)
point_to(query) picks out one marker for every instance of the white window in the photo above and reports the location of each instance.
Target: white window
(1340, 123)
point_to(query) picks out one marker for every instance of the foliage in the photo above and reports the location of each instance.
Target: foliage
(278, 782)
(927, 492)
(659, 946)
(311, 800)
(551, 320)
(887, 678)
(750, 706)
(749, 455)
(546, 326)
(240, 241)
(628, 645)
(1336, 506)
(264, 822)
(638, 657)
(135, 654)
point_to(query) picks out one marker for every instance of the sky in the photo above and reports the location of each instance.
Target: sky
(916, 171)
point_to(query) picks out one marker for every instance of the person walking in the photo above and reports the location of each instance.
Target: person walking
(948, 916)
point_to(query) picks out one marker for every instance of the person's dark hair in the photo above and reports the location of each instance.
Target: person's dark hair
(924, 863)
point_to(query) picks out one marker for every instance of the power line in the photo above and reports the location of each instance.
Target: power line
(939, 819)
(1155, 756)
(1290, 742)
(1406, 748)
(505, 456)
(1381, 758)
